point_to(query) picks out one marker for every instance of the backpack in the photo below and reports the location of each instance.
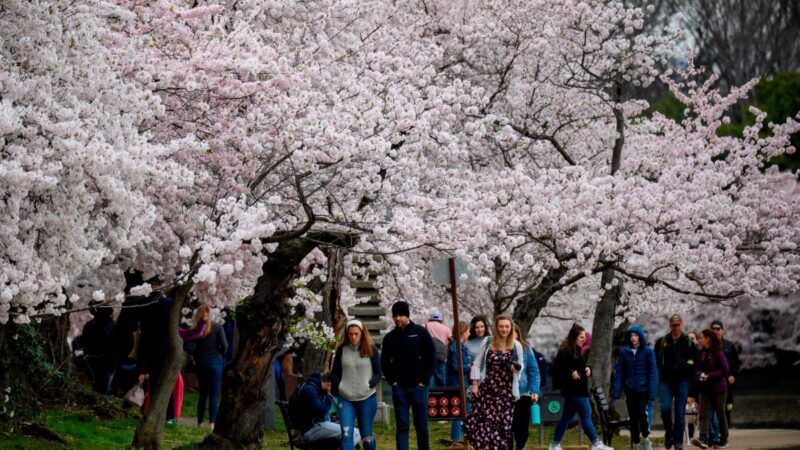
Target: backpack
(441, 350)
(296, 415)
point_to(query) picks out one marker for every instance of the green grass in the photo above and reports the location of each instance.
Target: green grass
(83, 431)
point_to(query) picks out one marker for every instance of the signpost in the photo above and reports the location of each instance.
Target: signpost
(455, 269)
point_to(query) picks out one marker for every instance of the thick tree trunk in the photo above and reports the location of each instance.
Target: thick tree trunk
(262, 320)
(150, 430)
(531, 305)
(600, 359)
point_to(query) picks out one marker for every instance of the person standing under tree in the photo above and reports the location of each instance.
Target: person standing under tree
(571, 376)
(675, 358)
(356, 374)
(479, 332)
(638, 377)
(529, 382)
(209, 357)
(460, 331)
(407, 361)
(731, 351)
(495, 386)
(711, 375)
(441, 337)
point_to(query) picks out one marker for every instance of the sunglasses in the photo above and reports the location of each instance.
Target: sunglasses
(716, 328)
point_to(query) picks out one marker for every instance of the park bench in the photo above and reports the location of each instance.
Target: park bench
(296, 437)
(610, 425)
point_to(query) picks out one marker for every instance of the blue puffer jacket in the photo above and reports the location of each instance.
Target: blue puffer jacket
(637, 369)
(530, 381)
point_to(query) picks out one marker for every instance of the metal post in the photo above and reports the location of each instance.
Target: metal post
(454, 295)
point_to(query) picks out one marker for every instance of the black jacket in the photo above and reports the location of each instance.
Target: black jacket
(731, 351)
(562, 374)
(408, 356)
(675, 358)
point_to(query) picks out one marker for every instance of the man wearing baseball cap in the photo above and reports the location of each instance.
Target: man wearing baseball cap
(407, 361)
(441, 336)
(675, 357)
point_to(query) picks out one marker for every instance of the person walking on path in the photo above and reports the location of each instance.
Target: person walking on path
(356, 375)
(407, 361)
(731, 351)
(441, 338)
(460, 331)
(479, 332)
(209, 357)
(711, 376)
(675, 358)
(529, 389)
(494, 381)
(571, 376)
(638, 377)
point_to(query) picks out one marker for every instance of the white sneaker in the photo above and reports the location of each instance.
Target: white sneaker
(648, 444)
(598, 445)
(637, 446)
(555, 447)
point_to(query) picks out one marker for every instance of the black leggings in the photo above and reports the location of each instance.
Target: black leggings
(521, 422)
(637, 410)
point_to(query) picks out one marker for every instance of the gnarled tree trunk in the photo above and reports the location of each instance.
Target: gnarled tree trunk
(150, 430)
(262, 320)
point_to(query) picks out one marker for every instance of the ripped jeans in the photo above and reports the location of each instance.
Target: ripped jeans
(364, 411)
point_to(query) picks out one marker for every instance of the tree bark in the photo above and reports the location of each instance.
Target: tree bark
(150, 430)
(531, 305)
(262, 320)
(600, 359)
(52, 332)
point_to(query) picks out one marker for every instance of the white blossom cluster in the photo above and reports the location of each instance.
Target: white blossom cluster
(184, 140)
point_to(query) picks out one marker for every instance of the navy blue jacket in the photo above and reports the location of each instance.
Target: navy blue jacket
(408, 356)
(637, 369)
(311, 403)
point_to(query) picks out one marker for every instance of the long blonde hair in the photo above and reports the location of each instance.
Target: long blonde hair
(198, 314)
(497, 341)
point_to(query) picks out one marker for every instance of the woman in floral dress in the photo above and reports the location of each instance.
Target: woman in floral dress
(495, 387)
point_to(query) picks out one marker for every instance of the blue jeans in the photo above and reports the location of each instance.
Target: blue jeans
(678, 393)
(364, 411)
(415, 398)
(713, 428)
(572, 406)
(439, 371)
(209, 376)
(456, 426)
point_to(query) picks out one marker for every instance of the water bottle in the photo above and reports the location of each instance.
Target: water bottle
(536, 415)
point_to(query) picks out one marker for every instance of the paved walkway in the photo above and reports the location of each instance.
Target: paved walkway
(757, 439)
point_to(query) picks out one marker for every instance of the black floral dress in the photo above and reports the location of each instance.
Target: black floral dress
(488, 425)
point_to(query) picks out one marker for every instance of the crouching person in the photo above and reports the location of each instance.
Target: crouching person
(310, 406)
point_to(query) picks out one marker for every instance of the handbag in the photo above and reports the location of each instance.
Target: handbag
(135, 395)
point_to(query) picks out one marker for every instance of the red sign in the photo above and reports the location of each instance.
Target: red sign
(444, 403)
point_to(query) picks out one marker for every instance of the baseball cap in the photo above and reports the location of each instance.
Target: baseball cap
(436, 315)
(675, 319)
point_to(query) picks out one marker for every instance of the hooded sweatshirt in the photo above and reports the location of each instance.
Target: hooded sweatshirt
(312, 402)
(637, 367)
